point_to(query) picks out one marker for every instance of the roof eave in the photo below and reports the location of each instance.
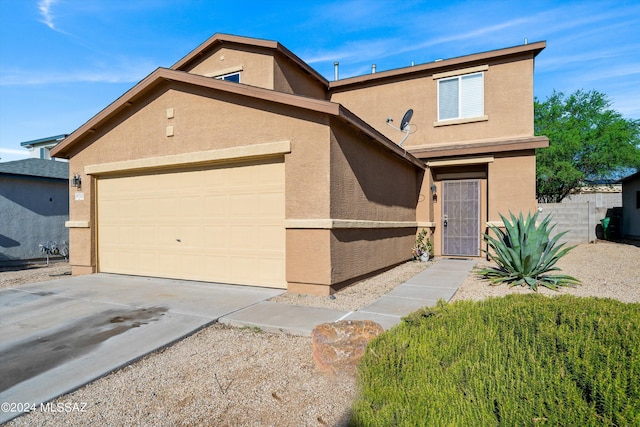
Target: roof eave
(467, 148)
(372, 133)
(55, 138)
(534, 48)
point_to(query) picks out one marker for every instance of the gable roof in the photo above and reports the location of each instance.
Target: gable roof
(39, 168)
(218, 39)
(163, 74)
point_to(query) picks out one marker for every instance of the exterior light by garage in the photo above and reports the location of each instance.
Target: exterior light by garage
(76, 181)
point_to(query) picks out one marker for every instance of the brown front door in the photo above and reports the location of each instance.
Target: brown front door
(461, 218)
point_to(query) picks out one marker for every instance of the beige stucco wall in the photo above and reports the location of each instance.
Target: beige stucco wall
(508, 104)
(512, 184)
(364, 174)
(257, 65)
(262, 68)
(357, 252)
(290, 78)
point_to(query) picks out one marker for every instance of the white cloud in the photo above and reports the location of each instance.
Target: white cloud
(45, 10)
(365, 49)
(122, 71)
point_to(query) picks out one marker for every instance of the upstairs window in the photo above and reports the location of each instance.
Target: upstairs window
(233, 77)
(461, 97)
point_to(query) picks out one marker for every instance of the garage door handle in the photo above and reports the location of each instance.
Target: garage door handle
(178, 240)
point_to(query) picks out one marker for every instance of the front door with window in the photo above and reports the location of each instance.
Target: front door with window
(461, 218)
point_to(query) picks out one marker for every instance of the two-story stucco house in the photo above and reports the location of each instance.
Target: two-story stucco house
(241, 164)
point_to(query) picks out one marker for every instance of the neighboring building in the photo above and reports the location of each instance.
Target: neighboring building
(41, 148)
(34, 205)
(241, 164)
(631, 206)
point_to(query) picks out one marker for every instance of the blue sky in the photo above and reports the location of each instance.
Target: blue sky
(62, 61)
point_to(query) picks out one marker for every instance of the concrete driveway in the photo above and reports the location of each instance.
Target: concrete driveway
(57, 336)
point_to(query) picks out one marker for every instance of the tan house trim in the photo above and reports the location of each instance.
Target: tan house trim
(426, 224)
(332, 224)
(192, 159)
(76, 224)
(460, 72)
(461, 121)
(225, 71)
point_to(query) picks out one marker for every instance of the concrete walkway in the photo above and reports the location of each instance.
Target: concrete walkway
(440, 280)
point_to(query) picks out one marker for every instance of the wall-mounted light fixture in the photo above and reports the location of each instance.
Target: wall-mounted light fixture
(433, 188)
(76, 181)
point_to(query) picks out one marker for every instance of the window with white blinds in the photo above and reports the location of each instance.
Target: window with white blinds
(461, 97)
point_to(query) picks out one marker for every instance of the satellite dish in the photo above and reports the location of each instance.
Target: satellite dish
(405, 126)
(406, 119)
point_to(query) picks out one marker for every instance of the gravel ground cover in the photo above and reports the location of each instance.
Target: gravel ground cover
(229, 377)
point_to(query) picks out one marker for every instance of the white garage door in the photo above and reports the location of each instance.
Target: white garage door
(222, 224)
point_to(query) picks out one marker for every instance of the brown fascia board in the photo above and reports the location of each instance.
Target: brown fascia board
(484, 147)
(163, 74)
(436, 66)
(220, 39)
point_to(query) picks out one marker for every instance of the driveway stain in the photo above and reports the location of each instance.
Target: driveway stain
(27, 359)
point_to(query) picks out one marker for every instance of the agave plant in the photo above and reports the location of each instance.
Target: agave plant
(525, 254)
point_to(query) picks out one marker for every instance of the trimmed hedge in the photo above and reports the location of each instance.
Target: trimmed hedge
(524, 360)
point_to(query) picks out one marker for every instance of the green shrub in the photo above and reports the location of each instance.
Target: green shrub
(522, 360)
(525, 253)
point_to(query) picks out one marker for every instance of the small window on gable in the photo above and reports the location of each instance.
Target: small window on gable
(233, 77)
(461, 97)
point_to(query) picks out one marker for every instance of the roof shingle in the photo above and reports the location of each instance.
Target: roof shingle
(36, 168)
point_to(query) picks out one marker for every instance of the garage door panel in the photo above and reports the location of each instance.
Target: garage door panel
(147, 208)
(216, 205)
(216, 237)
(191, 206)
(272, 238)
(241, 237)
(224, 224)
(192, 238)
(270, 206)
(166, 207)
(242, 205)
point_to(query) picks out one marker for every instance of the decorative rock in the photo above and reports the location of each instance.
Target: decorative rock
(339, 346)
